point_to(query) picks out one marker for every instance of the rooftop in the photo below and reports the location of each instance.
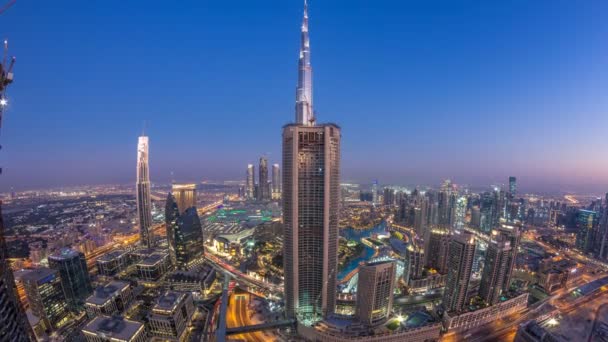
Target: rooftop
(115, 327)
(168, 302)
(65, 254)
(40, 275)
(153, 259)
(104, 293)
(111, 255)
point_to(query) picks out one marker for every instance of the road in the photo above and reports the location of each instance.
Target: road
(242, 277)
(238, 316)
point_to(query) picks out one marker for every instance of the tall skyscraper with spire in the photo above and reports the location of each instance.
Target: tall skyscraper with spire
(144, 203)
(304, 110)
(311, 187)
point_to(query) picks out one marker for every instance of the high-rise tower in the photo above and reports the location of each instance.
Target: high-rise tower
(276, 181)
(74, 274)
(184, 230)
(13, 321)
(460, 267)
(250, 182)
(496, 268)
(311, 190)
(144, 203)
(263, 185)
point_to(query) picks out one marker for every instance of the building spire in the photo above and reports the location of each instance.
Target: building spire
(304, 109)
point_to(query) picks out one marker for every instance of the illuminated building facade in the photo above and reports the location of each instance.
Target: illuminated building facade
(311, 192)
(46, 297)
(144, 202)
(72, 267)
(375, 292)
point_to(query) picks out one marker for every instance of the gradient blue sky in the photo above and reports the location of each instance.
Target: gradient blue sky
(424, 90)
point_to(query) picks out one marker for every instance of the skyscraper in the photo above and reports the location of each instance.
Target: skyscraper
(375, 289)
(311, 191)
(512, 187)
(72, 267)
(144, 203)
(460, 265)
(413, 263)
(513, 235)
(586, 221)
(496, 268)
(184, 234)
(185, 196)
(45, 295)
(13, 321)
(263, 185)
(276, 181)
(250, 182)
(437, 242)
(375, 192)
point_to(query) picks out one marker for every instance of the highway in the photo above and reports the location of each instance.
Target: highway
(240, 276)
(238, 316)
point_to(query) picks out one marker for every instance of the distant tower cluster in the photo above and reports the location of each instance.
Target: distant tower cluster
(265, 189)
(144, 202)
(311, 192)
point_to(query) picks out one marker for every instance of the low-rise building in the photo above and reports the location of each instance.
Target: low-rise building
(330, 332)
(232, 244)
(429, 282)
(480, 316)
(531, 331)
(114, 329)
(154, 266)
(557, 273)
(113, 262)
(171, 315)
(110, 299)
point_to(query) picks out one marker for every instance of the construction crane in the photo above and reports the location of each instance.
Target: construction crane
(6, 78)
(7, 6)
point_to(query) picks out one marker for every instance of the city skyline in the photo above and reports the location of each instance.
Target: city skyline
(449, 121)
(300, 251)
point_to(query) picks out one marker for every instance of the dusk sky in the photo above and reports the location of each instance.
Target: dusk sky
(474, 91)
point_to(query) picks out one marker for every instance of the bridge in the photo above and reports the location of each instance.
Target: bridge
(260, 327)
